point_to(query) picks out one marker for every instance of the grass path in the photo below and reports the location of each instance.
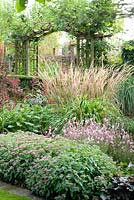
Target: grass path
(5, 195)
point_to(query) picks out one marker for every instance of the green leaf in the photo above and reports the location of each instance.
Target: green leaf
(41, 1)
(20, 5)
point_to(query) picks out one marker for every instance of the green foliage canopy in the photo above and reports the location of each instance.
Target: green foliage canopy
(78, 17)
(17, 25)
(84, 17)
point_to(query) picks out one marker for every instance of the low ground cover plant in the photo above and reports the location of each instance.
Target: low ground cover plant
(55, 168)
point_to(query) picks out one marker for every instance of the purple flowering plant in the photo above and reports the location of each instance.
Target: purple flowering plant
(113, 140)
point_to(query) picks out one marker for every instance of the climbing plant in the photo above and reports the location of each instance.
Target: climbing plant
(87, 21)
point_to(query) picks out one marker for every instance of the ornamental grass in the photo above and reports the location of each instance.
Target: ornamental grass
(64, 85)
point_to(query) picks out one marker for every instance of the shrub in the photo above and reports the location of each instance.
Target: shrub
(66, 85)
(9, 88)
(112, 140)
(23, 117)
(125, 96)
(33, 118)
(56, 168)
(17, 152)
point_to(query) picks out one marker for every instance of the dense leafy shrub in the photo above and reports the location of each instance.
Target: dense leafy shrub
(9, 88)
(55, 168)
(17, 152)
(27, 118)
(125, 96)
(112, 140)
(33, 118)
(39, 119)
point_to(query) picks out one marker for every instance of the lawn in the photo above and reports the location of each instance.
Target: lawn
(4, 195)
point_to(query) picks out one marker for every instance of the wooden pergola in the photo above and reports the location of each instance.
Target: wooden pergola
(25, 59)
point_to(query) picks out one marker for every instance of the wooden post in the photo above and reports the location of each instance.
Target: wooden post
(87, 53)
(78, 51)
(54, 51)
(23, 60)
(37, 59)
(92, 53)
(82, 48)
(27, 58)
(16, 57)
